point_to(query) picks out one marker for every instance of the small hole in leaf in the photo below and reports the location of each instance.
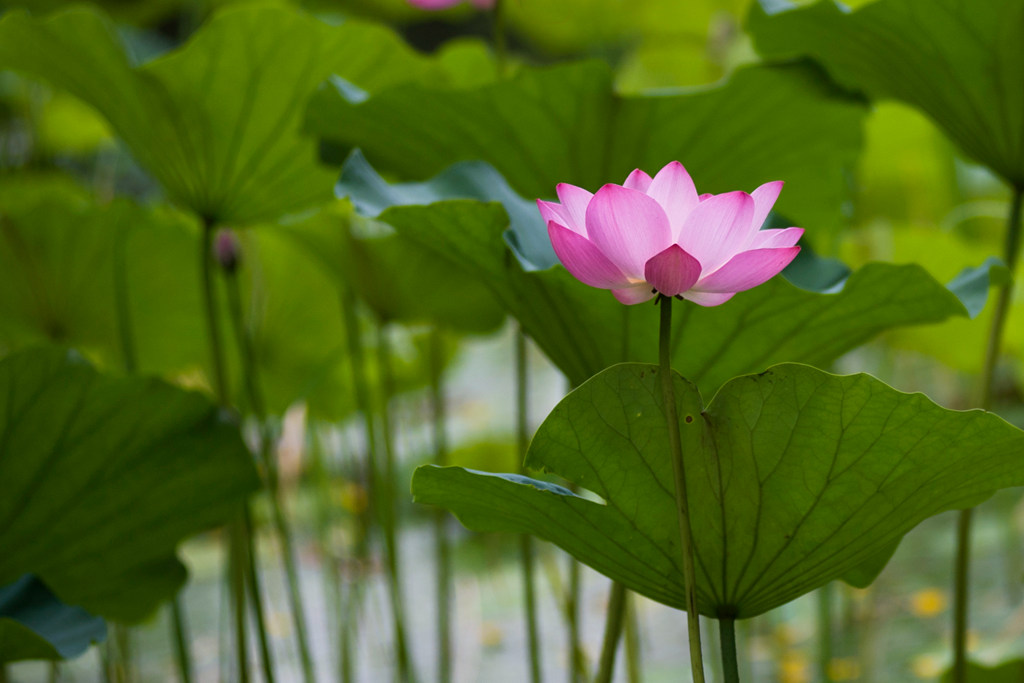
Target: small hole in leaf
(689, 419)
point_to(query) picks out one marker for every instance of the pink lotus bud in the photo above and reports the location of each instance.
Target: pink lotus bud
(653, 236)
(227, 250)
(445, 4)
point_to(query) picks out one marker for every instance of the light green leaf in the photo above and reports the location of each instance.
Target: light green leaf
(101, 477)
(959, 61)
(795, 477)
(217, 121)
(565, 124)
(34, 624)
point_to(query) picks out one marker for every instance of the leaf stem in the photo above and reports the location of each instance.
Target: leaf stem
(236, 545)
(182, 648)
(1011, 253)
(271, 480)
(577, 669)
(441, 546)
(612, 632)
(824, 597)
(633, 671)
(525, 541)
(252, 579)
(682, 505)
(730, 665)
(388, 511)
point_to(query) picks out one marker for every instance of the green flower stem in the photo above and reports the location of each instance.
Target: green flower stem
(682, 506)
(526, 542)
(236, 544)
(633, 670)
(182, 644)
(361, 389)
(387, 509)
(220, 386)
(612, 631)
(441, 545)
(236, 569)
(271, 480)
(252, 579)
(578, 667)
(730, 665)
(1011, 253)
(824, 598)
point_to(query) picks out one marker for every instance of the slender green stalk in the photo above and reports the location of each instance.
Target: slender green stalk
(220, 385)
(236, 562)
(612, 631)
(271, 480)
(4, 678)
(236, 545)
(54, 672)
(730, 665)
(441, 545)
(526, 542)
(712, 640)
(1011, 253)
(578, 664)
(252, 579)
(633, 669)
(682, 505)
(824, 630)
(182, 645)
(388, 516)
(361, 389)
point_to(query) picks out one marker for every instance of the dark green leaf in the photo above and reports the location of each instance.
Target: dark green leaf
(101, 477)
(566, 124)
(34, 624)
(795, 477)
(959, 61)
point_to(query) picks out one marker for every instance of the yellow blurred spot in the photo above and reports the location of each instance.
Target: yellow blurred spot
(972, 640)
(351, 496)
(928, 602)
(794, 668)
(491, 634)
(843, 669)
(927, 666)
(784, 635)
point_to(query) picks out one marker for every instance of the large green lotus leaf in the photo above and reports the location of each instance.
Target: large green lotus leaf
(59, 267)
(34, 624)
(101, 477)
(217, 121)
(794, 476)
(566, 124)
(959, 61)
(584, 330)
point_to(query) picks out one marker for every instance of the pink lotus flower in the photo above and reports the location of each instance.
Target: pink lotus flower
(444, 4)
(655, 235)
